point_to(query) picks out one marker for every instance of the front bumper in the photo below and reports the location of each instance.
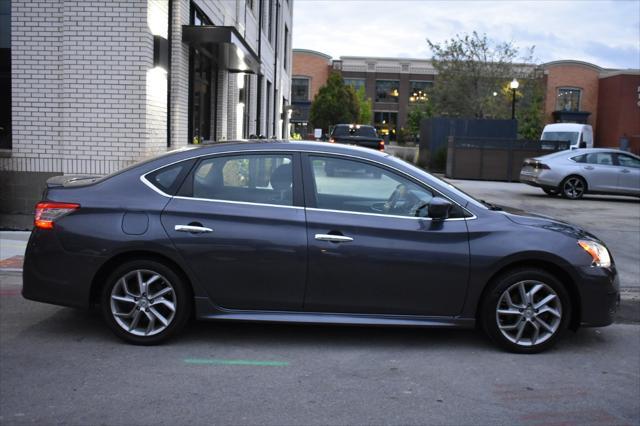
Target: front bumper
(599, 295)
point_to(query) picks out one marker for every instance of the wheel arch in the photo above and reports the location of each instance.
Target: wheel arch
(99, 279)
(557, 271)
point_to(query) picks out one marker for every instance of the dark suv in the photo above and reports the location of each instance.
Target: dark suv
(357, 134)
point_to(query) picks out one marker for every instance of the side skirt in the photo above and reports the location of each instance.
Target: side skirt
(205, 311)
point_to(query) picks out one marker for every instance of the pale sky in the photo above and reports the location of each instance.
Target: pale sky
(606, 33)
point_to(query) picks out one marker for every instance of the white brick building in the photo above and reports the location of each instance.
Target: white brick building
(97, 85)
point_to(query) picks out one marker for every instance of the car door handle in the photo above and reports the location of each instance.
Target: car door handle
(625, 171)
(192, 228)
(333, 238)
(588, 167)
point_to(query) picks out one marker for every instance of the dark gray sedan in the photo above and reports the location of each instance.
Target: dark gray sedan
(576, 172)
(259, 232)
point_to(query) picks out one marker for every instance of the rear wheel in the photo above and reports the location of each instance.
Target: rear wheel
(144, 302)
(526, 310)
(573, 187)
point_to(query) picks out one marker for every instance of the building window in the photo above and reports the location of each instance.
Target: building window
(270, 21)
(201, 81)
(568, 99)
(356, 83)
(385, 123)
(418, 90)
(5, 75)
(198, 17)
(300, 89)
(269, 123)
(286, 46)
(387, 91)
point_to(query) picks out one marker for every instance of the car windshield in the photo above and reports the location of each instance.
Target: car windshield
(364, 131)
(561, 136)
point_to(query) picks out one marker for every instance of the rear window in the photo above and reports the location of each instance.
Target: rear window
(363, 131)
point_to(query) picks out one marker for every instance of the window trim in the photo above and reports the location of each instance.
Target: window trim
(300, 175)
(197, 160)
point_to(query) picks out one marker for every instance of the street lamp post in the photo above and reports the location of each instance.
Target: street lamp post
(514, 86)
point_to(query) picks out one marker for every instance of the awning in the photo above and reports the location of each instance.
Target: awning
(226, 44)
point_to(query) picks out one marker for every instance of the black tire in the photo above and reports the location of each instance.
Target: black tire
(530, 342)
(179, 296)
(573, 187)
(551, 192)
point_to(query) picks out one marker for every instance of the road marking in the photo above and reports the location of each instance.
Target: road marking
(204, 361)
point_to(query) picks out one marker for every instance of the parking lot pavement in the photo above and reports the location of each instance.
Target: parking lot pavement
(62, 366)
(615, 220)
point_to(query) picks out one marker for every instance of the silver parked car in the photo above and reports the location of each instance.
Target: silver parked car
(576, 172)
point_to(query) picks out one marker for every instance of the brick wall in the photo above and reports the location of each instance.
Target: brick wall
(573, 75)
(619, 111)
(314, 66)
(79, 74)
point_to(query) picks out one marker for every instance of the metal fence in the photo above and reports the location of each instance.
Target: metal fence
(492, 158)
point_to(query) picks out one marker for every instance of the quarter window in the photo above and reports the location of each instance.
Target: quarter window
(265, 179)
(356, 186)
(169, 178)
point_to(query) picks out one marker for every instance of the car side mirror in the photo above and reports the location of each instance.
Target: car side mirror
(439, 208)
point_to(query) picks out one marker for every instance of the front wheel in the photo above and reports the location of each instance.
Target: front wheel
(525, 311)
(144, 302)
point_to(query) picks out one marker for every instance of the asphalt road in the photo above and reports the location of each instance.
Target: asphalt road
(62, 366)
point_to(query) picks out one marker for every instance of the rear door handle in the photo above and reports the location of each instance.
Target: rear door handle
(192, 229)
(333, 238)
(625, 171)
(588, 167)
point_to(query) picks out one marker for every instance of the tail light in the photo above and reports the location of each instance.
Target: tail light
(381, 146)
(536, 164)
(48, 212)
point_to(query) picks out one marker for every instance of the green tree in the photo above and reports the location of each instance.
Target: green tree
(366, 107)
(470, 69)
(418, 112)
(335, 103)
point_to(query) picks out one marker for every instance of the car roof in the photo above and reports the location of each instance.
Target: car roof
(569, 153)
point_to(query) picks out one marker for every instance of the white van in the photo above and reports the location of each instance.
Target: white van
(579, 135)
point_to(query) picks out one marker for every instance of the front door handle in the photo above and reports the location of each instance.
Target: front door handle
(192, 229)
(333, 238)
(588, 167)
(625, 171)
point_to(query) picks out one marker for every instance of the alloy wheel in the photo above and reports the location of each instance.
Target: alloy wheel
(573, 187)
(143, 302)
(529, 313)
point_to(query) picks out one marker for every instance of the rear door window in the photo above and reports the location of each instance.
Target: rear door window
(628, 161)
(252, 178)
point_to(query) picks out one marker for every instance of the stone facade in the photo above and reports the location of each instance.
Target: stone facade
(88, 97)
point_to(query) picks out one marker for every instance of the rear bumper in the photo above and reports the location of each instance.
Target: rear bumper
(54, 275)
(538, 181)
(599, 295)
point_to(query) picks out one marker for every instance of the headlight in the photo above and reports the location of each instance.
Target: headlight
(598, 252)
